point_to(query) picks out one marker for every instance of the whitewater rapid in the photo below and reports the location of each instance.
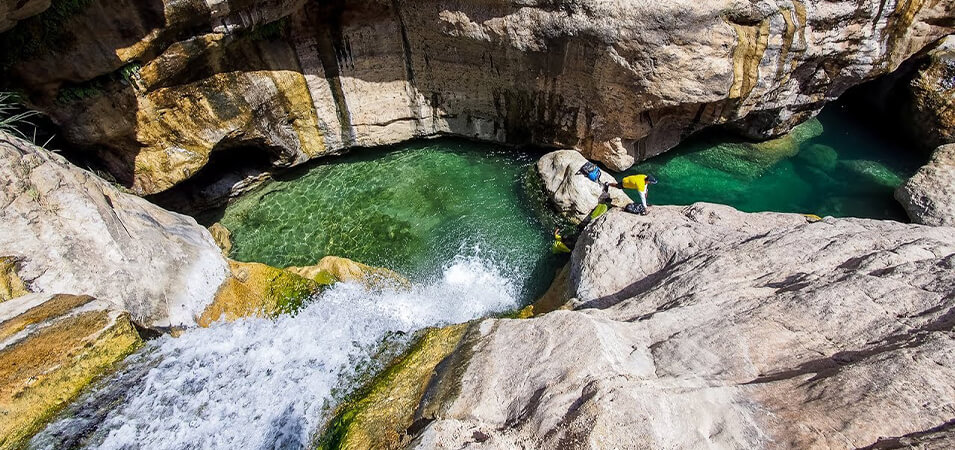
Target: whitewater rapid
(272, 383)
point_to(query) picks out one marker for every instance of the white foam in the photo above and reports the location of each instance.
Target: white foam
(260, 383)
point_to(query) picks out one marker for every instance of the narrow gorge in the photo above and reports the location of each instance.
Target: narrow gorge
(363, 224)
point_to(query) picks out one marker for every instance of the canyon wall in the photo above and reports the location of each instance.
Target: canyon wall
(158, 90)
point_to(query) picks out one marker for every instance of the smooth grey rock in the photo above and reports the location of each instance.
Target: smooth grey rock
(569, 192)
(929, 196)
(708, 327)
(76, 233)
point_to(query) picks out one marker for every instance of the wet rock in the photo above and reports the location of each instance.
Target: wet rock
(333, 269)
(51, 347)
(929, 196)
(222, 236)
(257, 290)
(384, 414)
(157, 89)
(11, 285)
(74, 232)
(570, 193)
(704, 326)
(12, 11)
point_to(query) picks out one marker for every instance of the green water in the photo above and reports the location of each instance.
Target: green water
(833, 165)
(413, 208)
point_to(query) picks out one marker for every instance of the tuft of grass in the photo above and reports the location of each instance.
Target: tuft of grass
(13, 115)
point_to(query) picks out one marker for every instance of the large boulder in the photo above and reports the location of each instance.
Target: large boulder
(929, 196)
(570, 193)
(51, 347)
(73, 232)
(707, 327)
(160, 90)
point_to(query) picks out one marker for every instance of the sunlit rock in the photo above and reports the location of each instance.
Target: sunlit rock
(73, 232)
(929, 196)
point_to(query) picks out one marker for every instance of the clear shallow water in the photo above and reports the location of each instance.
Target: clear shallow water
(834, 165)
(260, 383)
(410, 208)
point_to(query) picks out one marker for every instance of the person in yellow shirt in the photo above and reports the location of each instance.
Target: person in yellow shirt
(640, 183)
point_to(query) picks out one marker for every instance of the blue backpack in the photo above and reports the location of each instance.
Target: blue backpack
(590, 170)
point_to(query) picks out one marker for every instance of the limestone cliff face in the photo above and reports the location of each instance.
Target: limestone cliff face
(157, 88)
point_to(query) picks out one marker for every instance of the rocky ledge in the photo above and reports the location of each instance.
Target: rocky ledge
(704, 326)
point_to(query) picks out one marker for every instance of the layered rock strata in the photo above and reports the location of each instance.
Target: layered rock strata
(51, 346)
(160, 90)
(704, 326)
(73, 232)
(929, 196)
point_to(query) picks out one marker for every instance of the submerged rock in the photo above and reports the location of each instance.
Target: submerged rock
(751, 160)
(819, 156)
(222, 237)
(874, 172)
(74, 232)
(704, 326)
(929, 196)
(51, 347)
(570, 193)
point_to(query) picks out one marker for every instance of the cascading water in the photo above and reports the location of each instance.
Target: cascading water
(271, 383)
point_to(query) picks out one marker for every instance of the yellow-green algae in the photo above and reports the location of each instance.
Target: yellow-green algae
(255, 289)
(44, 371)
(11, 286)
(380, 414)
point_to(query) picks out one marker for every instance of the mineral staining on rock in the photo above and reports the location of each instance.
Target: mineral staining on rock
(929, 196)
(51, 347)
(712, 327)
(11, 286)
(179, 82)
(74, 232)
(928, 105)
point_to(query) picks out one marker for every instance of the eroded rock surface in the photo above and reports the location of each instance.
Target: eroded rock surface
(51, 346)
(930, 98)
(73, 232)
(160, 90)
(704, 326)
(929, 196)
(569, 192)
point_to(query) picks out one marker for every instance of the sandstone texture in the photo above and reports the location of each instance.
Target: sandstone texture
(570, 193)
(51, 346)
(702, 326)
(929, 97)
(929, 196)
(70, 231)
(160, 90)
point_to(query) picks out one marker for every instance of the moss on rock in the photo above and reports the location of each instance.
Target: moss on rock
(332, 269)
(42, 368)
(11, 286)
(380, 414)
(255, 289)
(750, 160)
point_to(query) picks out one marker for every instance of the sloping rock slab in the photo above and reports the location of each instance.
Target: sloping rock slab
(51, 346)
(73, 232)
(724, 329)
